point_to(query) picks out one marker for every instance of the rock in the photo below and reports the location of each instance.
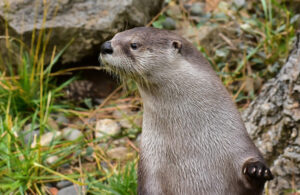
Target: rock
(29, 136)
(273, 122)
(47, 138)
(94, 85)
(71, 134)
(119, 153)
(174, 12)
(119, 142)
(72, 190)
(198, 9)
(99, 101)
(128, 118)
(52, 124)
(239, 3)
(90, 22)
(222, 53)
(61, 119)
(65, 166)
(122, 116)
(30, 127)
(63, 184)
(169, 24)
(52, 159)
(103, 146)
(91, 120)
(106, 127)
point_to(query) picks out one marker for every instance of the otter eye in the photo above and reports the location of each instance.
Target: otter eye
(134, 46)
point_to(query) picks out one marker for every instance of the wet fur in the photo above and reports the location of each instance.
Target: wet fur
(193, 139)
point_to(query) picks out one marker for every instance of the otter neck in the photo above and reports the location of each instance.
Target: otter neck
(183, 99)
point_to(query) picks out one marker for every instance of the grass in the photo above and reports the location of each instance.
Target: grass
(122, 181)
(25, 169)
(247, 46)
(29, 95)
(259, 50)
(26, 88)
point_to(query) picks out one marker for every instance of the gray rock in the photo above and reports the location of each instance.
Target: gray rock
(29, 136)
(273, 122)
(119, 153)
(72, 190)
(71, 134)
(239, 3)
(63, 184)
(169, 24)
(197, 9)
(90, 22)
(47, 138)
(61, 119)
(52, 124)
(105, 127)
(51, 159)
(30, 127)
(127, 118)
(99, 101)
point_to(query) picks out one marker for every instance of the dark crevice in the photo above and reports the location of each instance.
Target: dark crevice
(90, 83)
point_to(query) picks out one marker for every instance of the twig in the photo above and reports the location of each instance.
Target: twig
(157, 15)
(227, 40)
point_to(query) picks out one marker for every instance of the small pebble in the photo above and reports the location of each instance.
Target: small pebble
(52, 159)
(198, 9)
(71, 190)
(71, 134)
(29, 136)
(119, 153)
(107, 127)
(169, 24)
(63, 184)
(47, 138)
(52, 124)
(239, 3)
(128, 118)
(61, 119)
(99, 101)
(31, 127)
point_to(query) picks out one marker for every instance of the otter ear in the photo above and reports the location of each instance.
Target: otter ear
(176, 45)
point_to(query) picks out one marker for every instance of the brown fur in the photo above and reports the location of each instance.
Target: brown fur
(194, 140)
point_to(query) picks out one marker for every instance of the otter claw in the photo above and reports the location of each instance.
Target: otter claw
(257, 171)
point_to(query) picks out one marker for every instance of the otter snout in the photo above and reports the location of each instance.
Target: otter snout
(106, 48)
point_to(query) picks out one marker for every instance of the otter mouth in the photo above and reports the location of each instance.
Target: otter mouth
(112, 69)
(123, 70)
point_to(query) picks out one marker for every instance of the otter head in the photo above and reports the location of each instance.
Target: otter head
(142, 53)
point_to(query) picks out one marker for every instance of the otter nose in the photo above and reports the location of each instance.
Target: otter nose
(106, 48)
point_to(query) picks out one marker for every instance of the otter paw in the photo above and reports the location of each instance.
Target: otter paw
(258, 171)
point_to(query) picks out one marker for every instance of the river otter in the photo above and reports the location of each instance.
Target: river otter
(193, 140)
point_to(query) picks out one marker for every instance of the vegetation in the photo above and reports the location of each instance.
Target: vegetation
(246, 45)
(30, 98)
